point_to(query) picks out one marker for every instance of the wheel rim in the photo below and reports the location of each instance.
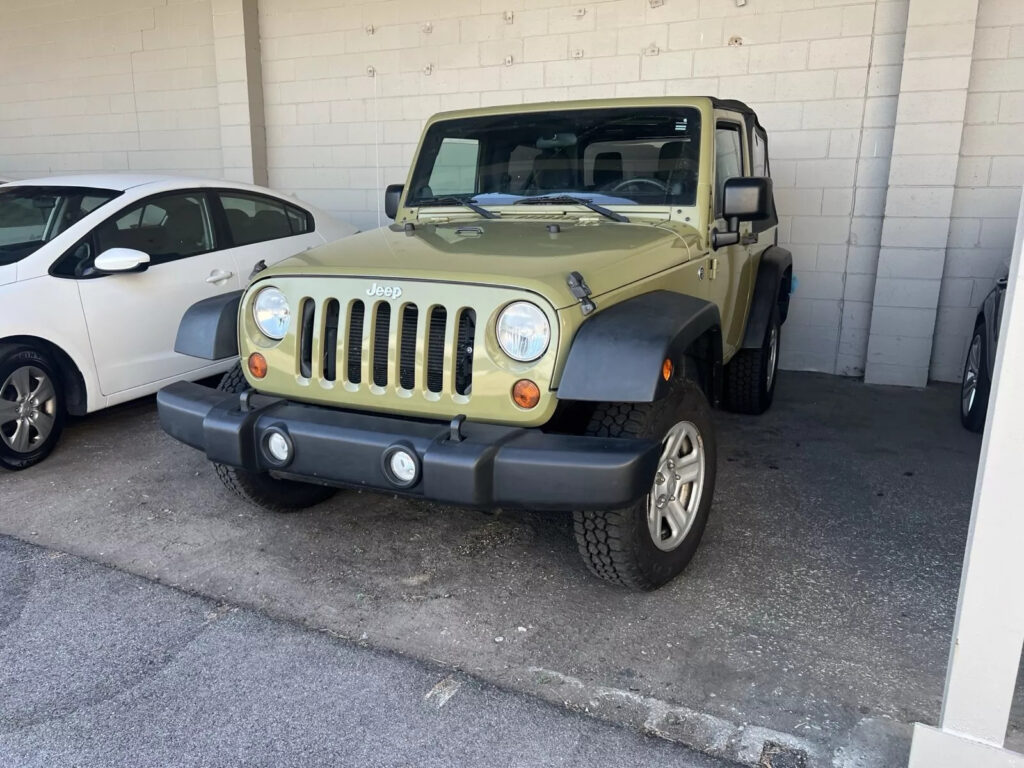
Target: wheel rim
(969, 390)
(675, 495)
(773, 354)
(28, 408)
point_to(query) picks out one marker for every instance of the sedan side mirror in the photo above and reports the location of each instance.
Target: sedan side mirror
(115, 260)
(392, 197)
(744, 198)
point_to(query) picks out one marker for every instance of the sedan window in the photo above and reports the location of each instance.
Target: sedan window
(255, 218)
(31, 216)
(167, 227)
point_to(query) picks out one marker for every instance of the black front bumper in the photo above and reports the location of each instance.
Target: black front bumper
(492, 466)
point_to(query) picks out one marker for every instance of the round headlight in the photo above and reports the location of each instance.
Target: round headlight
(523, 331)
(271, 313)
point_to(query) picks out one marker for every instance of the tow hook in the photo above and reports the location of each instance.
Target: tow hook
(579, 289)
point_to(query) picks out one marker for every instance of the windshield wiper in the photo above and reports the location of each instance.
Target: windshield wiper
(465, 202)
(539, 200)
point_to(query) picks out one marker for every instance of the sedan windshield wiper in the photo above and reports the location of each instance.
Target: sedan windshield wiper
(540, 200)
(465, 202)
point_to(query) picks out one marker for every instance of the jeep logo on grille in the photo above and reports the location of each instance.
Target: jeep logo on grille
(390, 291)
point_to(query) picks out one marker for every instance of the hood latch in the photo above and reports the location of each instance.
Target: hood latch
(579, 289)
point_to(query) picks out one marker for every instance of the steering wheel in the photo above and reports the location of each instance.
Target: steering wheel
(661, 186)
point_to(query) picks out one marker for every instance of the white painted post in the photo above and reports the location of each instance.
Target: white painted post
(989, 629)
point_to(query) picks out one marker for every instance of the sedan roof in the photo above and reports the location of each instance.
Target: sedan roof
(124, 181)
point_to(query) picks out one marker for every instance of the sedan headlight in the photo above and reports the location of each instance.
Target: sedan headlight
(523, 331)
(271, 312)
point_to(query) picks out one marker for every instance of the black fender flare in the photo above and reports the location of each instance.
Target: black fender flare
(617, 354)
(209, 328)
(771, 288)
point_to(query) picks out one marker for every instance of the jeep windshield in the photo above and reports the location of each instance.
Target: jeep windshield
(613, 156)
(31, 216)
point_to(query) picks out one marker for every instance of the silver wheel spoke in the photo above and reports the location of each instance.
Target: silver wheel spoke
(21, 380)
(678, 518)
(690, 473)
(19, 441)
(8, 411)
(43, 392)
(43, 422)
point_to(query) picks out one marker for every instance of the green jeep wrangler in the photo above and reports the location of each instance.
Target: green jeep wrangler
(563, 292)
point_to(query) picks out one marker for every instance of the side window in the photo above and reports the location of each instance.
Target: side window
(759, 154)
(254, 218)
(454, 170)
(728, 159)
(167, 227)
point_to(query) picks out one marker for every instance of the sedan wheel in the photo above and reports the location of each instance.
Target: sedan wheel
(31, 407)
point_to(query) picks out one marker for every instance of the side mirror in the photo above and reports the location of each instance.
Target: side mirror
(115, 260)
(392, 197)
(744, 198)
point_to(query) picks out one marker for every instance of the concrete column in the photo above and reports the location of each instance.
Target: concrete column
(922, 178)
(236, 36)
(989, 631)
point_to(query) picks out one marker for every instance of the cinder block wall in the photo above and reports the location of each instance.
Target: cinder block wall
(988, 183)
(94, 85)
(133, 84)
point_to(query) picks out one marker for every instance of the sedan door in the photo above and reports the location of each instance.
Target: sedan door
(133, 317)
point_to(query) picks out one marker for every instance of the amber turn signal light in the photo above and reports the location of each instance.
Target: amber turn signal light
(257, 365)
(525, 393)
(666, 369)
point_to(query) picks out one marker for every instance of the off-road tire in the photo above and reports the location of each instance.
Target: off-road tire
(974, 418)
(259, 488)
(616, 545)
(13, 357)
(751, 375)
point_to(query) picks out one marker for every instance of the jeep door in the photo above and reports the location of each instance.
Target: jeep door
(133, 317)
(731, 278)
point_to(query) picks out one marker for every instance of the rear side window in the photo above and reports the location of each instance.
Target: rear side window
(255, 219)
(728, 159)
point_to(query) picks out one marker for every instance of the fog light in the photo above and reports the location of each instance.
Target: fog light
(401, 466)
(278, 447)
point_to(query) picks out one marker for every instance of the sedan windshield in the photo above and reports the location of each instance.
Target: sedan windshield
(31, 216)
(617, 156)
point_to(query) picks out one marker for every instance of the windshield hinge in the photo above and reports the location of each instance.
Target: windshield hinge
(579, 289)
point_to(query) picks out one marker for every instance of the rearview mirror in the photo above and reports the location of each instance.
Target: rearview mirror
(743, 199)
(392, 197)
(122, 260)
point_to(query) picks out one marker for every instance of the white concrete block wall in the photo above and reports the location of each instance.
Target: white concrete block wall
(91, 85)
(988, 181)
(823, 75)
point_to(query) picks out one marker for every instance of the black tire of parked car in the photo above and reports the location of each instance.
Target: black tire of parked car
(259, 488)
(30, 362)
(751, 375)
(617, 545)
(973, 416)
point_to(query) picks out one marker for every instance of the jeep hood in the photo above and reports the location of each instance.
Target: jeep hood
(507, 252)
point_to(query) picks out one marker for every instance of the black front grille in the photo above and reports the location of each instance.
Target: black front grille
(306, 346)
(381, 328)
(407, 349)
(331, 340)
(355, 342)
(435, 349)
(464, 352)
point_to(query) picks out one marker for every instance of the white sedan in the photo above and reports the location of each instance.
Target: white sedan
(96, 272)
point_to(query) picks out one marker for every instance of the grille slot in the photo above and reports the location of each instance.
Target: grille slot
(407, 350)
(306, 338)
(381, 328)
(435, 349)
(464, 352)
(355, 342)
(330, 361)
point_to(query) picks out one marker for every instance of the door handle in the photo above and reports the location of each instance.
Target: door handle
(219, 276)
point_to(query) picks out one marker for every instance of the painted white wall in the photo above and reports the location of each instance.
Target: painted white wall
(146, 84)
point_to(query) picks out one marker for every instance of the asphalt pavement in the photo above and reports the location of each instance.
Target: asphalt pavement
(817, 613)
(101, 668)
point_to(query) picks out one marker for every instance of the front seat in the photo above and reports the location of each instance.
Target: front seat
(607, 169)
(676, 169)
(184, 230)
(552, 171)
